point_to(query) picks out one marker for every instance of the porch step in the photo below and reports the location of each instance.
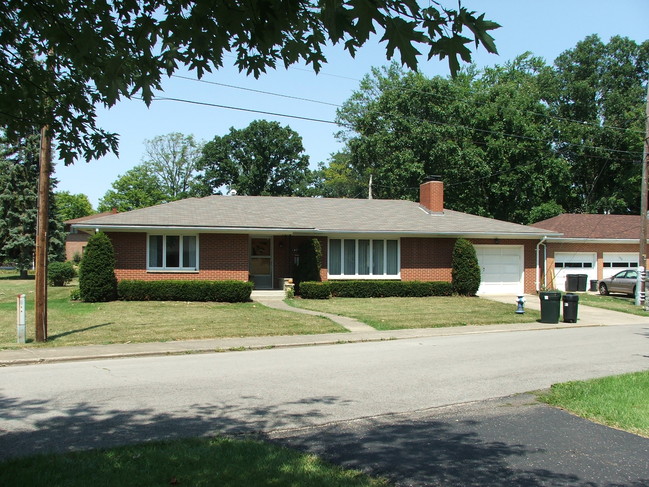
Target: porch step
(270, 293)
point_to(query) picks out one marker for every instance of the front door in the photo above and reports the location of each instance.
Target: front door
(261, 262)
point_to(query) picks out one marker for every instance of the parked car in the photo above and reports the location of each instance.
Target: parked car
(622, 282)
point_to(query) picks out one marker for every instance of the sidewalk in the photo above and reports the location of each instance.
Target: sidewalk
(359, 332)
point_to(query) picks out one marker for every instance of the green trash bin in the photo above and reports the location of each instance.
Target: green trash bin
(550, 306)
(570, 307)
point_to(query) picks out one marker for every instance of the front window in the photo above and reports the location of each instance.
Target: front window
(173, 252)
(363, 258)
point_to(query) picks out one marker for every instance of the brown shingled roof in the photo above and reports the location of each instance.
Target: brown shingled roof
(594, 226)
(328, 215)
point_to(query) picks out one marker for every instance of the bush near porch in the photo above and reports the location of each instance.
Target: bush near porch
(374, 289)
(219, 291)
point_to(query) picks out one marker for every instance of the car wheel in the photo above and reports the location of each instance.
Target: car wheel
(633, 293)
(603, 290)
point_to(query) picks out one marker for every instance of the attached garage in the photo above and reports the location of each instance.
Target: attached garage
(501, 269)
(566, 263)
(614, 262)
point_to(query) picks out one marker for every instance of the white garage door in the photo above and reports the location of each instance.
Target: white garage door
(501, 269)
(614, 262)
(566, 263)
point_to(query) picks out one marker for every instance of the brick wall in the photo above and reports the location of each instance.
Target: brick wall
(74, 244)
(220, 257)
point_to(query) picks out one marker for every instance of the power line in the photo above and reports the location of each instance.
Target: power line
(257, 91)
(241, 109)
(418, 120)
(413, 90)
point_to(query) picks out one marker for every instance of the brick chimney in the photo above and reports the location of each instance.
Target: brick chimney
(431, 194)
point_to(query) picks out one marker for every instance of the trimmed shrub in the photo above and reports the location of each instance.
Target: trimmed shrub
(310, 263)
(465, 272)
(315, 290)
(221, 291)
(384, 289)
(60, 273)
(97, 281)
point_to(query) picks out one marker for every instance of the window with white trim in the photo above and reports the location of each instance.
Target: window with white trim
(358, 258)
(172, 252)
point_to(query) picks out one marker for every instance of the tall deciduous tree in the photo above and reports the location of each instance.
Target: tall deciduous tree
(69, 206)
(172, 158)
(262, 159)
(104, 51)
(338, 178)
(136, 188)
(18, 195)
(599, 92)
(484, 132)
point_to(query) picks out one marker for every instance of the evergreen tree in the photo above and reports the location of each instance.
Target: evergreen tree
(310, 263)
(18, 212)
(97, 281)
(465, 270)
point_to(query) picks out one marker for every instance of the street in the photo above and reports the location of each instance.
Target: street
(90, 404)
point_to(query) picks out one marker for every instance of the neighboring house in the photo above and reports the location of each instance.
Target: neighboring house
(76, 241)
(257, 238)
(595, 245)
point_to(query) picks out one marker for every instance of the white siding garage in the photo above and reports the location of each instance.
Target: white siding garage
(501, 268)
(614, 262)
(566, 263)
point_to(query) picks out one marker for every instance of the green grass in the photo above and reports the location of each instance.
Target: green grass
(620, 401)
(398, 313)
(77, 323)
(624, 304)
(219, 462)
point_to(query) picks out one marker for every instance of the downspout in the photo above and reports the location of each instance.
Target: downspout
(538, 267)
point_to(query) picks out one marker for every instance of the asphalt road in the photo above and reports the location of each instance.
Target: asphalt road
(75, 405)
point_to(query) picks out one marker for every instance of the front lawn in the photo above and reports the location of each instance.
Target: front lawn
(398, 313)
(624, 304)
(190, 463)
(620, 401)
(77, 323)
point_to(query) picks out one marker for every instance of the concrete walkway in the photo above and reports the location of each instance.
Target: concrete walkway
(277, 302)
(358, 332)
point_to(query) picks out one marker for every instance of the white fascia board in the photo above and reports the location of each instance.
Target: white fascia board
(304, 231)
(628, 241)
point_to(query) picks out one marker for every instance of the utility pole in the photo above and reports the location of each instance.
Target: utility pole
(40, 295)
(369, 188)
(640, 295)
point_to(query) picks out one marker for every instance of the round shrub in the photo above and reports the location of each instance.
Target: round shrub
(465, 272)
(97, 281)
(60, 273)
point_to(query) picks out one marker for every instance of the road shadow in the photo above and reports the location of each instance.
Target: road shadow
(40, 426)
(424, 451)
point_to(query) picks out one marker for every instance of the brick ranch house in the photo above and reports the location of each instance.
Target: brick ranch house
(257, 238)
(598, 246)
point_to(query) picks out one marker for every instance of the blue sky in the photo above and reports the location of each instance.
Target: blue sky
(545, 28)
